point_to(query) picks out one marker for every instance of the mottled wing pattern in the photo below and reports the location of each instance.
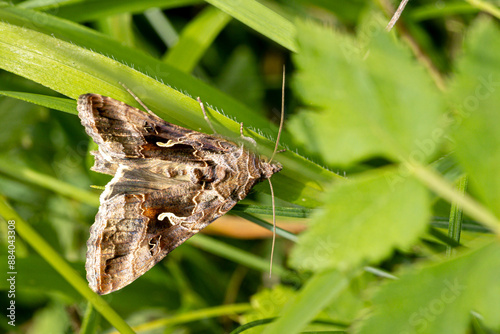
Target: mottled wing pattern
(128, 236)
(158, 197)
(126, 134)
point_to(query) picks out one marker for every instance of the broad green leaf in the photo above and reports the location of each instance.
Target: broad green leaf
(66, 31)
(72, 70)
(100, 43)
(363, 219)
(476, 94)
(55, 63)
(364, 97)
(438, 298)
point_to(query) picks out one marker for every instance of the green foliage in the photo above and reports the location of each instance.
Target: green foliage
(363, 221)
(356, 102)
(407, 116)
(442, 296)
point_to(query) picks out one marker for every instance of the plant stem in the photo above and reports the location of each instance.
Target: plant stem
(471, 207)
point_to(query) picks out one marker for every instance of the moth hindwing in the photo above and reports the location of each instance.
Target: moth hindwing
(168, 183)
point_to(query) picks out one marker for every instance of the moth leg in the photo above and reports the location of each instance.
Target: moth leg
(138, 100)
(205, 114)
(248, 139)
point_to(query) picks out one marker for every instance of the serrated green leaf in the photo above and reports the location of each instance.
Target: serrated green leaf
(476, 94)
(364, 97)
(438, 298)
(364, 219)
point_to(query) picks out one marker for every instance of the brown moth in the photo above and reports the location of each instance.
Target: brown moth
(168, 183)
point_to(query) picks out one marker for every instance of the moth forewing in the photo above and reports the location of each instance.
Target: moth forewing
(168, 183)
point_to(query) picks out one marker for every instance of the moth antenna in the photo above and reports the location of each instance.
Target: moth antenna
(272, 156)
(205, 114)
(274, 228)
(282, 115)
(137, 99)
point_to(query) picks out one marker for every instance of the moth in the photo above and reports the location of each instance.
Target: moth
(168, 183)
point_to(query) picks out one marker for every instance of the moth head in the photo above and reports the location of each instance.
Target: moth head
(268, 169)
